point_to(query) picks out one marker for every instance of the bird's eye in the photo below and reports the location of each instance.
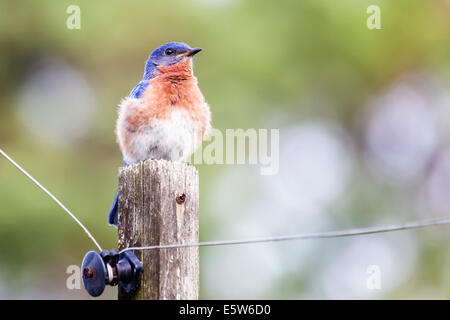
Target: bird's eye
(169, 51)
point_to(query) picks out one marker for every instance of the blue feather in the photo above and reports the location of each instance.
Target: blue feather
(113, 215)
(139, 89)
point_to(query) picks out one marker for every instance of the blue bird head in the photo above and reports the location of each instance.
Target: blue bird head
(168, 54)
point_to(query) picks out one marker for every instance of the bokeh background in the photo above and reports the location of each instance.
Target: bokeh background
(364, 119)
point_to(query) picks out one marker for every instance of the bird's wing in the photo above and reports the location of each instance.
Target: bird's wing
(139, 89)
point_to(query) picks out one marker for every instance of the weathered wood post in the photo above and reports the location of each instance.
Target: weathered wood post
(158, 204)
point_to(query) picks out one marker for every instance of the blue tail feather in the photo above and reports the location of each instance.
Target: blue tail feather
(113, 217)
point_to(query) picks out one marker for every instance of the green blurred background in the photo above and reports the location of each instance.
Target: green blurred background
(364, 118)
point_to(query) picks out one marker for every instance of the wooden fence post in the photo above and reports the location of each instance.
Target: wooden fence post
(158, 204)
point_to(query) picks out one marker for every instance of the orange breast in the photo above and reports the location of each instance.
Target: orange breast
(175, 88)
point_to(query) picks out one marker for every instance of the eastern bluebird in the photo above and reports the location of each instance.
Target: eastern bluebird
(165, 116)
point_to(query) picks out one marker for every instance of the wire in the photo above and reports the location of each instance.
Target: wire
(51, 196)
(320, 235)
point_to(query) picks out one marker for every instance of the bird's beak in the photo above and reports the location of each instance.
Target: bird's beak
(192, 52)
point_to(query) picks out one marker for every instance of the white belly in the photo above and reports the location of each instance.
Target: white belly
(172, 139)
